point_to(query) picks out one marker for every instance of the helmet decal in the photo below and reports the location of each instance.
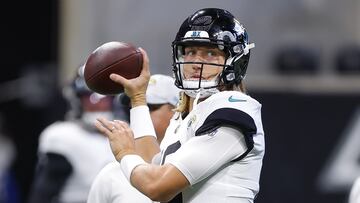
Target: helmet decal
(196, 34)
(225, 36)
(203, 20)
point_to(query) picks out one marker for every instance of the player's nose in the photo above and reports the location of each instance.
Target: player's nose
(196, 66)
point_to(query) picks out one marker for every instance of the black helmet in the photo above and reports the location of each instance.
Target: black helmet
(76, 89)
(73, 91)
(213, 26)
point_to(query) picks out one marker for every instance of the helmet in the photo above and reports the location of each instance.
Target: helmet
(73, 91)
(80, 98)
(218, 27)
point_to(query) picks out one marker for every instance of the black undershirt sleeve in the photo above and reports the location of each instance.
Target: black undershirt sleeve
(51, 174)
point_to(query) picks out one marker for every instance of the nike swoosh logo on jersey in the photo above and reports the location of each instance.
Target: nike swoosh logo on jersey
(231, 99)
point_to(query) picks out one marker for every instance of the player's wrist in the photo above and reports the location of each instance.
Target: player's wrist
(129, 162)
(121, 155)
(138, 100)
(140, 122)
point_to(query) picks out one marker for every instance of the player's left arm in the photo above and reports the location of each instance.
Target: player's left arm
(202, 155)
(159, 183)
(197, 159)
(147, 147)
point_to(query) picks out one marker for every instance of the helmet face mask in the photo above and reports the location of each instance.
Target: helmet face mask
(194, 86)
(212, 27)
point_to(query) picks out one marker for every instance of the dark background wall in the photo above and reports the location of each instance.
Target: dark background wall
(30, 98)
(302, 131)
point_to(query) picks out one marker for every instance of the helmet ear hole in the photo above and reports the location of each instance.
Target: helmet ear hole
(228, 76)
(235, 73)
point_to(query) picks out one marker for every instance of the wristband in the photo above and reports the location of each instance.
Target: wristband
(129, 162)
(140, 122)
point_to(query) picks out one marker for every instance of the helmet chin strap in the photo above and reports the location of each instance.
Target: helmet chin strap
(194, 106)
(200, 92)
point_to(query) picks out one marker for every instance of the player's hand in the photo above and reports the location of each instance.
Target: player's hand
(136, 88)
(120, 136)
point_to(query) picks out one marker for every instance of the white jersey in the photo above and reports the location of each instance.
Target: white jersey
(111, 186)
(219, 148)
(355, 192)
(88, 152)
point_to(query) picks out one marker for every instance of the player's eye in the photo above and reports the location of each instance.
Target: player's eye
(211, 53)
(189, 52)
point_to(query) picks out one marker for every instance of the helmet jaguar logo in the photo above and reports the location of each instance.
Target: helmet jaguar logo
(203, 20)
(227, 36)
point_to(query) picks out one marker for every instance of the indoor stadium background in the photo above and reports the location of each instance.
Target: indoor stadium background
(305, 70)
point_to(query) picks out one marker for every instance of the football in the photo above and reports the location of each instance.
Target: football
(112, 57)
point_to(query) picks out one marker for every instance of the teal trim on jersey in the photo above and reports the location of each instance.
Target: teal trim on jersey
(231, 99)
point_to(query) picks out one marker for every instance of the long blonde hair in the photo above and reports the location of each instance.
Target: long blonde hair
(184, 103)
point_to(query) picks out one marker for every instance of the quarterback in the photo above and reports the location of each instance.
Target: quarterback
(214, 146)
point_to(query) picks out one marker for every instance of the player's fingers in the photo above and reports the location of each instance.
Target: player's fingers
(121, 124)
(145, 70)
(125, 127)
(118, 122)
(102, 128)
(118, 126)
(109, 125)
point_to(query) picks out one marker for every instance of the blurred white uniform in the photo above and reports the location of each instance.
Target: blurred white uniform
(72, 152)
(355, 192)
(87, 152)
(112, 186)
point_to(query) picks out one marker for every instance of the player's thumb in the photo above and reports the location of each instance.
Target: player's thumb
(145, 69)
(119, 79)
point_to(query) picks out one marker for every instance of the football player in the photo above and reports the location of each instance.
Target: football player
(214, 146)
(72, 152)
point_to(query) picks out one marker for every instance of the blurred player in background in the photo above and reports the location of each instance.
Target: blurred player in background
(72, 152)
(214, 146)
(111, 185)
(355, 192)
